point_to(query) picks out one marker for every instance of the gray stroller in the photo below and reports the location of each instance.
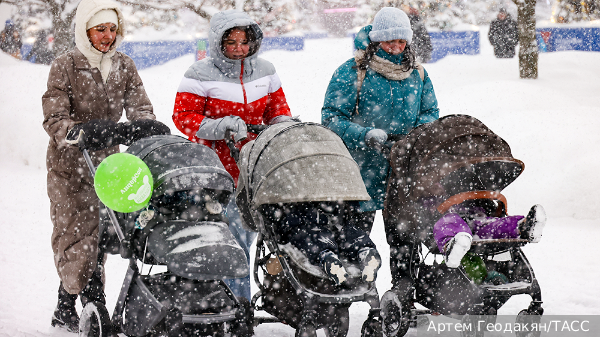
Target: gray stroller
(291, 164)
(187, 233)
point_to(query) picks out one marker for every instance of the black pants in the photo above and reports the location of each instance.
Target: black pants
(347, 241)
(314, 231)
(361, 220)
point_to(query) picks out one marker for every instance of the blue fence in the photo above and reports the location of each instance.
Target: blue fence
(290, 43)
(445, 43)
(563, 38)
(151, 53)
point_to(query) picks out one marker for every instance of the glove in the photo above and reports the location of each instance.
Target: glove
(217, 129)
(375, 138)
(130, 132)
(94, 135)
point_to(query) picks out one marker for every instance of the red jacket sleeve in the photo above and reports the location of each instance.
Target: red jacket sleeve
(188, 113)
(276, 106)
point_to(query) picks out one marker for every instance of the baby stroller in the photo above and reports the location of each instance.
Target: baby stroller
(184, 229)
(440, 164)
(293, 163)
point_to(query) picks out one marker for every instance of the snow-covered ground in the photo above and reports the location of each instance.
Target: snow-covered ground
(551, 124)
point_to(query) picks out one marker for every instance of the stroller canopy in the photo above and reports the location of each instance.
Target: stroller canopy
(190, 248)
(178, 165)
(297, 162)
(452, 155)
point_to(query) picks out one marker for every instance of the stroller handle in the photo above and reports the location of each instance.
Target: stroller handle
(386, 147)
(124, 244)
(125, 133)
(234, 151)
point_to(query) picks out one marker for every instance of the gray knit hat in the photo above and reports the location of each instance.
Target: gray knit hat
(391, 24)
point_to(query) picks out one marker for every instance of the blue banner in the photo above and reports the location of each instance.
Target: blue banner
(445, 43)
(289, 43)
(563, 38)
(151, 53)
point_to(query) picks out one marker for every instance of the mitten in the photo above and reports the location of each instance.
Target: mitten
(216, 129)
(376, 138)
(141, 128)
(94, 135)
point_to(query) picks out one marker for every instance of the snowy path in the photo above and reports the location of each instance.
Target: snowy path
(551, 123)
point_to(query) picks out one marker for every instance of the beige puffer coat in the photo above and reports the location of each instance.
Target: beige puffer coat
(77, 93)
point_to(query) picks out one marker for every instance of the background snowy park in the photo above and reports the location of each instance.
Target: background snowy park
(551, 123)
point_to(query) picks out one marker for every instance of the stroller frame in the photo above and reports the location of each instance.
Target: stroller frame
(489, 297)
(444, 163)
(310, 299)
(95, 320)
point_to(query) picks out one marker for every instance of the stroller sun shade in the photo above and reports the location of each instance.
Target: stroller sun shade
(178, 165)
(190, 247)
(452, 155)
(296, 162)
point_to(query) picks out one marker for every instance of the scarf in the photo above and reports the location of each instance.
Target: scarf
(385, 68)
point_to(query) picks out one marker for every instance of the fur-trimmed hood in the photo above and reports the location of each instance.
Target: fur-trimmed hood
(219, 24)
(85, 11)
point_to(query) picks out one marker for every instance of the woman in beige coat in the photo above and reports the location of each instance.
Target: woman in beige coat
(88, 89)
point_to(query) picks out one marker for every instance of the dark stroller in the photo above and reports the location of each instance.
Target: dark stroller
(440, 164)
(188, 234)
(291, 164)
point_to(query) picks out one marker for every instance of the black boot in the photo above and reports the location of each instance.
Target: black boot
(94, 290)
(65, 315)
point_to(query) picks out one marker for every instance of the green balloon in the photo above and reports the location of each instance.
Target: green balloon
(123, 182)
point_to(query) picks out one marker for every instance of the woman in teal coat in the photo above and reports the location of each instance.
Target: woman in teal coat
(395, 94)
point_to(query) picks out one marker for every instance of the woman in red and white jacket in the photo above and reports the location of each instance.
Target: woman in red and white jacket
(231, 88)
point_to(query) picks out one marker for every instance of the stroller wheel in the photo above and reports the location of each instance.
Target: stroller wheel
(94, 321)
(472, 321)
(372, 327)
(525, 317)
(340, 323)
(244, 323)
(395, 319)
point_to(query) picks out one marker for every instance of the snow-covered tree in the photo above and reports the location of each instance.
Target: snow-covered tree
(565, 11)
(275, 17)
(528, 49)
(56, 14)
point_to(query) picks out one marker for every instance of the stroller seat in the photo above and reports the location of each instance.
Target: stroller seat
(300, 260)
(495, 246)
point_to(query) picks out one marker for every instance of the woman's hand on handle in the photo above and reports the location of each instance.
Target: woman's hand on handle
(217, 129)
(376, 138)
(99, 134)
(94, 135)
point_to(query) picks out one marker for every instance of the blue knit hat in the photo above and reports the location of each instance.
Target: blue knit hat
(391, 24)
